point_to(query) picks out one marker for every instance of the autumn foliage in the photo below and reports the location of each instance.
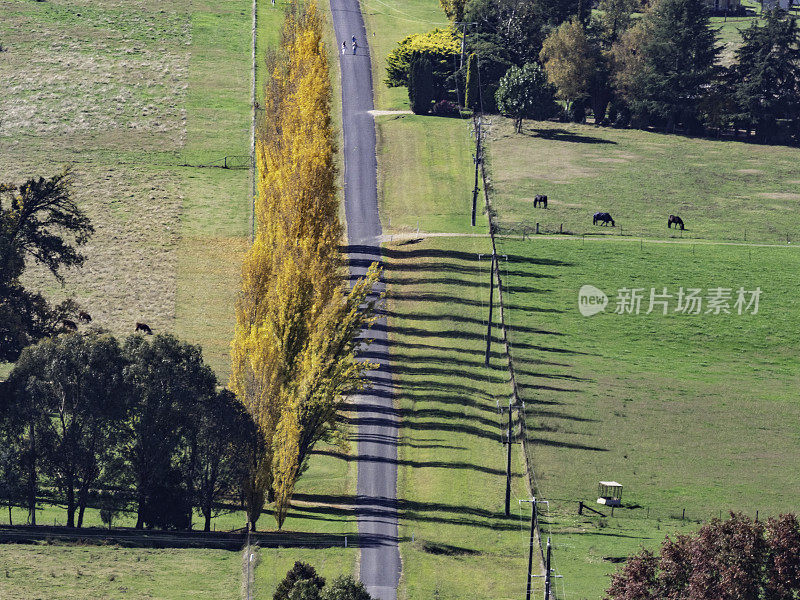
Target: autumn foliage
(734, 559)
(294, 349)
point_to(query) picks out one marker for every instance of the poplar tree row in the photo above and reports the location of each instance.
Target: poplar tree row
(298, 326)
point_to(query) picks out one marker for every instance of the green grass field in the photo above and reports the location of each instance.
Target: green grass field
(691, 413)
(723, 190)
(694, 414)
(39, 571)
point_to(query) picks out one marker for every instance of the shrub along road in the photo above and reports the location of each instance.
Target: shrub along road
(376, 416)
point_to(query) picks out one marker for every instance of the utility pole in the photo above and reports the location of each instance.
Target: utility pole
(508, 464)
(463, 25)
(478, 159)
(491, 306)
(530, 550)
(547, 573)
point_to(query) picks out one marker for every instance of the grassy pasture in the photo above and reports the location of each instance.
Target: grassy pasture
(723, 190)
(693, 412)
(34, 571)
(128, 94)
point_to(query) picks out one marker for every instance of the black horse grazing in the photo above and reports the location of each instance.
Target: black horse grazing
(540, 200)
(85, 317)
(68, 325)
(605, 218)
(144, 328)
(673, 220)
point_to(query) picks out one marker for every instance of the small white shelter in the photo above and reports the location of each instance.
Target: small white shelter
(610, 493)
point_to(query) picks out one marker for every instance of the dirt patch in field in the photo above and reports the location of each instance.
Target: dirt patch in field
(780, 196)
(611, 160)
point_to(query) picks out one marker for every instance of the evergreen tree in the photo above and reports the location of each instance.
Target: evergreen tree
(614, 18)
(299, 572)
(472, 94)
(71, 390)
(676, 65)
(420, 84)
(169, 382)
(766, 77)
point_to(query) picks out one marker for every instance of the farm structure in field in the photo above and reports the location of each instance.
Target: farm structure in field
(609, 493)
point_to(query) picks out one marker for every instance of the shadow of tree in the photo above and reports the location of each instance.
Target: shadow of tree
(562, 135)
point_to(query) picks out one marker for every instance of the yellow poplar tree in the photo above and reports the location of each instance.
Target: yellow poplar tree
(297, 332)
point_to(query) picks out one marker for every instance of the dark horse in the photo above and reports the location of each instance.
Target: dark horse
(673, 220)
(144, 328)
(605, 218)
(540, 200)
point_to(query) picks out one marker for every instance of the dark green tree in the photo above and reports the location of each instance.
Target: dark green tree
(170, 383)
(526, 94)
(71, 390)
(300, 571)
(517, 27)
(38, 221)
(678, 57)
(421, 92)
(12, 485)
(345, 588)
(766, 77)
(221, 429)
(613, 18)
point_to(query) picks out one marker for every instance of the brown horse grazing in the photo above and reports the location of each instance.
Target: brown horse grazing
(540, 200)
(85, 317)
(673, 220)
(144, 328)
(69, 325)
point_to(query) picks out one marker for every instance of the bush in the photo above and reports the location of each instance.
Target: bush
(109, 509)
(299, 572)
(445, 108)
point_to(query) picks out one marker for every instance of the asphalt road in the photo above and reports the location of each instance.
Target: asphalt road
(377, 420)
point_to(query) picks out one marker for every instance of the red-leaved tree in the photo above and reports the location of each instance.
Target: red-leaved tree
(736, 559)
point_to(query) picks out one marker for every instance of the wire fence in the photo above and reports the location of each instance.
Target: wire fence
(529, 229)
(236, 161)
